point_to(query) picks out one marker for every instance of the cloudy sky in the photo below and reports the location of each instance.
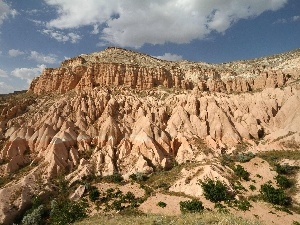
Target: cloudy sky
(35, 34)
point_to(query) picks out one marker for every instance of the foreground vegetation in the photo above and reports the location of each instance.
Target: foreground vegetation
(206, 217)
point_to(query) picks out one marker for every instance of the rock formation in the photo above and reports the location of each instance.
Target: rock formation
(126, 112)
(115, 67)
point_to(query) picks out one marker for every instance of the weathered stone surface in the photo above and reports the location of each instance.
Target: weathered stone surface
(115, 67)
(131, 113)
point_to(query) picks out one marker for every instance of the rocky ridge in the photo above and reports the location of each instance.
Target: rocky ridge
(123, 112)
(116, 66)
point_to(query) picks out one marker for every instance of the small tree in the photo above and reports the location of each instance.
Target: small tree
(283, 182)
(191, 206)
(215, 191)
(67, 211)
(94, 194)
(274, 195)
(35, 217)
(241, 172)
(162, 204)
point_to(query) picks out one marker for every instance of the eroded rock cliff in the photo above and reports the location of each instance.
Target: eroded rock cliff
(125, 112)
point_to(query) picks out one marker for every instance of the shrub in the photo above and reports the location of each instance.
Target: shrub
(191, 206)
(164, 185)
(67, 211)
(162, 204)
(138, 177)
(241, 172)
(114, 178)
(94, 194)
(215, 191)
(221, 208)
(245, 157)
(274, 195)
(252, 187)
(117, 205)
(283, 182)
(285, 169)
(243, 205)
(129, 196)
(237, 186)
(35, 217)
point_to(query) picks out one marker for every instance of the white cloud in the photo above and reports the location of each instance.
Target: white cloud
(61, 36)
(3, 73)
(280, 21)
(96, 29)
(6, 11)
(287, 20)
(6, 88)
(296, 18)
(28, 73)
(41, 58)
(134, 22)
(15, 52)
(170, 57)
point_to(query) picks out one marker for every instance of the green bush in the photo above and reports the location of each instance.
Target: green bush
(252, 187)
(274, 195)
(221, 208)
(241, 172)
(162, 204)
(35, 217)
(285, 169)
(243, 205)
(283, 182)
(191, 206)
(67, 211)
(114, 178)
(94, 194)
(245, 157)
(129, 196)
(138, 177)
(117, 205)
(215, 191)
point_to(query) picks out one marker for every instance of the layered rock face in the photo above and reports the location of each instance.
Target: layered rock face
(115, 67)
(137, 115)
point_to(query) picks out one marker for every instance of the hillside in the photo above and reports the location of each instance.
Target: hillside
(119, 119)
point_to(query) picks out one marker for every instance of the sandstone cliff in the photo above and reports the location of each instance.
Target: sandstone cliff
(125, 112)
(115, 67)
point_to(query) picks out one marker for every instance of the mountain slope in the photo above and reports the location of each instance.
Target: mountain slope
(121, 112)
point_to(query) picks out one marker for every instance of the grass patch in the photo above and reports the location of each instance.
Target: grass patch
(205, 217)
(273, 157)
(164, 179)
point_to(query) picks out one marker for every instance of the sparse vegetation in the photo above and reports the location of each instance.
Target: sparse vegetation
(205, 217)
(94, 193)
(242, 204)
(114, 178)
(162, 204)
(273, 157)
(193, 206)
(252, 187)
(34, 217)
(65, 211)
(274, 195)
(285, 169)
(241, 172)
(138, 177)
(215, 191)
(283, 182)
(245, 157)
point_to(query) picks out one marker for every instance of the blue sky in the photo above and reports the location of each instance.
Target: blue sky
(35, 34)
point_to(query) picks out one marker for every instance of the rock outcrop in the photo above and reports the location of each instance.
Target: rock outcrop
(115, 67)
(125, 112)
